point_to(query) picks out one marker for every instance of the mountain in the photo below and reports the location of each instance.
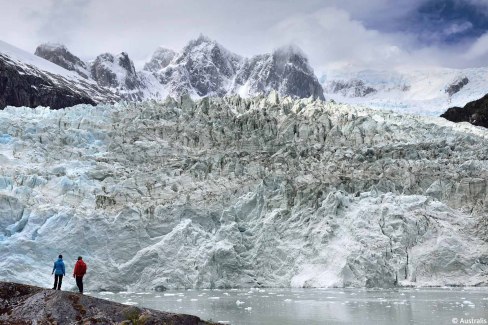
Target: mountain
(160, 59)
(286, 70)
(475, 112)
(232, 192)
(426, 91)
(28, 80)
(59, 54)
(203, 68)
(114, 72)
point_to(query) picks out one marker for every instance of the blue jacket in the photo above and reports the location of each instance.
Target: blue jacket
(59, 267)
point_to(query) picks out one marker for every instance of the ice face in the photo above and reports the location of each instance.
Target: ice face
(242, 192)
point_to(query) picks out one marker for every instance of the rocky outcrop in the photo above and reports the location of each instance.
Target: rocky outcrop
(456, 85)
(24, 304)
(232, 192)
(59, 54)
(475, 112)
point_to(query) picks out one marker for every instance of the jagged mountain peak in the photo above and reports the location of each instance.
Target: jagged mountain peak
(114, 71)
(285, 70)
(289, 51)
(52, 46)
(206, 49)
(59, 54)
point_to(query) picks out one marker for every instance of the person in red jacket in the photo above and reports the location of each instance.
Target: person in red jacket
(79, 272)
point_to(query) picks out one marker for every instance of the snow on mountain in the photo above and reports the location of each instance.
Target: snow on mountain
(227, 192)
(427, 91)
(28, 80)
(160, 59)
(117, 72)
(202, 68)
(286, 70)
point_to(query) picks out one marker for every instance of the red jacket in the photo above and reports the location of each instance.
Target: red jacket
(80, 268)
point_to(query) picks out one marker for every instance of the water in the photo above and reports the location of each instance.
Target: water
(319, 306)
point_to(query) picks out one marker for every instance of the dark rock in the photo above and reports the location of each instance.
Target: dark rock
(23, 304)
(475, 112)
(456, 86)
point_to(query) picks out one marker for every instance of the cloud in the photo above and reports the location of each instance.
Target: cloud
(61, 22)
(332, 38)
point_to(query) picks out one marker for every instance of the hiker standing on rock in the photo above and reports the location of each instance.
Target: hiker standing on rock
(58, 271)
(79, 272)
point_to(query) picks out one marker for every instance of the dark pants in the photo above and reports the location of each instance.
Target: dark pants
(58, 280)
(79, 283)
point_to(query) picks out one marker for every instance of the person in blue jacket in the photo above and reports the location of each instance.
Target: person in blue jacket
(59, 272)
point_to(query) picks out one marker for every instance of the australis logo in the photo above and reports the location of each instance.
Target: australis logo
(471, 320)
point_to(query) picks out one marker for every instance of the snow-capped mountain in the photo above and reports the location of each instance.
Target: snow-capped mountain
(232, 192)
(28, 80)
(114, 72)
(203, 68)
(286, 70)
(424, 91)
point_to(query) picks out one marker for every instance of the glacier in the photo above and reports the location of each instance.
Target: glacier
(231, 192)
(414, 90)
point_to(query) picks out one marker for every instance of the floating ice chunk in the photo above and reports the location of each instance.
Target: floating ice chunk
(287, 300)
(169, 294)
(103, 293)
(226, 293)
(193, 299)
(179, 300)
(238, 302)
(130, 303)
(223, 322)
(248, 308)
(213, 298)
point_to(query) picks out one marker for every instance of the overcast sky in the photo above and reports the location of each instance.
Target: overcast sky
(333, 33)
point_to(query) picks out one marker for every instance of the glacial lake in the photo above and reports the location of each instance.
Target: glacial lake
(318, 306)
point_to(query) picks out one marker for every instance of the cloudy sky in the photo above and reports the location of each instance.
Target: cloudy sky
(333, 33)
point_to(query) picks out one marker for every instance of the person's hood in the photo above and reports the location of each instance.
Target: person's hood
(60, 259)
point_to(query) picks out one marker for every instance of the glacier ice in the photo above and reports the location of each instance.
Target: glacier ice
(233, 192)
